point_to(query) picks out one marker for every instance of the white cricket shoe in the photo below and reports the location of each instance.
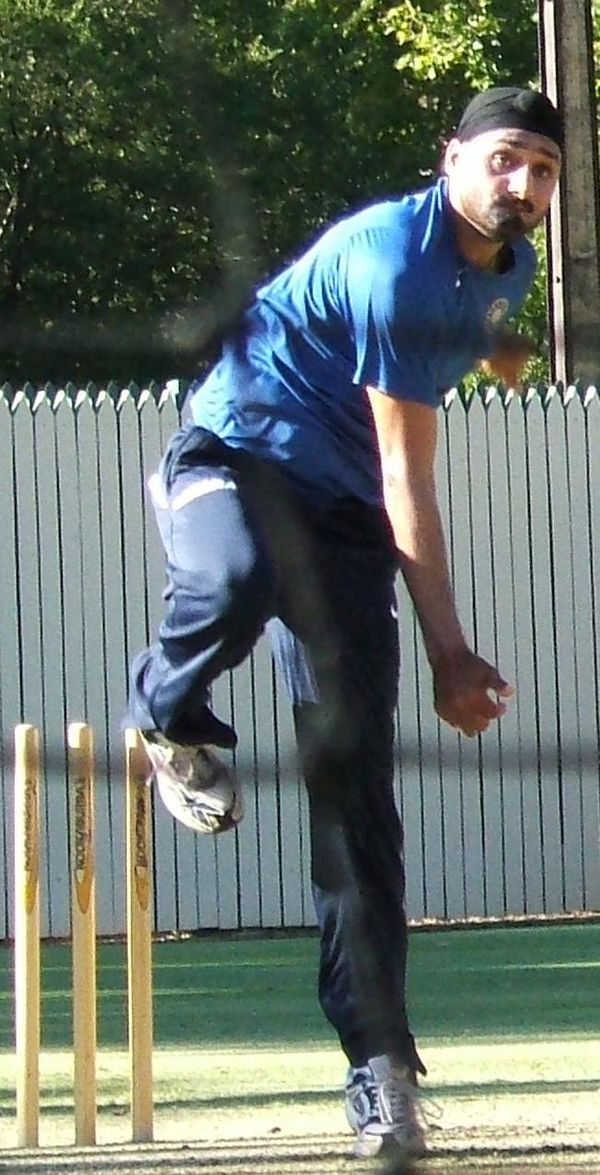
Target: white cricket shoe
(382, 1109)
(198, 789)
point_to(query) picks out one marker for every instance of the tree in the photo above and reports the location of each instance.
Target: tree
(108, 189)
(159, 157)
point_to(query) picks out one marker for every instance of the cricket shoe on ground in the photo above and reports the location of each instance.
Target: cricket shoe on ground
(382, 1109)
(198, 789)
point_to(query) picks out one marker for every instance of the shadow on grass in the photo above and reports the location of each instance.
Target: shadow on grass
(114, 1097)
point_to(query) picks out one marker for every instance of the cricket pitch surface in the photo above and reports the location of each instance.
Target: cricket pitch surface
(528, 1152)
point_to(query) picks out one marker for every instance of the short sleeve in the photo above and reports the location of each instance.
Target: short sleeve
(387, 321)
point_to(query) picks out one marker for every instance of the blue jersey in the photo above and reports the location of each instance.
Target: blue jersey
(383, 299)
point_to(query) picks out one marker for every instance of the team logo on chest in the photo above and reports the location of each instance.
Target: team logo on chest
(496, 312)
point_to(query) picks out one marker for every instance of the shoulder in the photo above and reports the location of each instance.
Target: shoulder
(403, 218)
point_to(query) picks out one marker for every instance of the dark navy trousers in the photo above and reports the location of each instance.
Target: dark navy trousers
(245, 553)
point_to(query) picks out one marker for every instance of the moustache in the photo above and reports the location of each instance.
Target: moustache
(515, 207)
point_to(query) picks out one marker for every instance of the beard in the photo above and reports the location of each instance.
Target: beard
(505, 222)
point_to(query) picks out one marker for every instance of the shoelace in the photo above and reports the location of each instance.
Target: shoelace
(396, 1100)
(427, 1109)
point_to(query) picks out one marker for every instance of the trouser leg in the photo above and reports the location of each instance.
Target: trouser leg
(358, 886)
(219, 594)
(347, 753)
(227, 575)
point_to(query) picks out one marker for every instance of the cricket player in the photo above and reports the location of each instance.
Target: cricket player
(300, 488)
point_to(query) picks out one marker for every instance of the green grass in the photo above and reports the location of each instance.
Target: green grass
(485, 984)
(508, 1021)
(513, 983)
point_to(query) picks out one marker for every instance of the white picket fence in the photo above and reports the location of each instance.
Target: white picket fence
(505, 824)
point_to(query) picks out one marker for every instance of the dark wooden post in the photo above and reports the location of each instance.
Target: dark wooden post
(567, 72)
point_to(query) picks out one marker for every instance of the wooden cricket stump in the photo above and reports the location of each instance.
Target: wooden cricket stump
(27, 858)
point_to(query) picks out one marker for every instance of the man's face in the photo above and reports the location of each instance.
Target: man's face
(502, 181)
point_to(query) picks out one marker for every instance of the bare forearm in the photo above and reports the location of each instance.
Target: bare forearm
(462, 681)
(419, 537)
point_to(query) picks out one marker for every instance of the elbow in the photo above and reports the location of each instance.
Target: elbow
(395, 475)
(402, 483)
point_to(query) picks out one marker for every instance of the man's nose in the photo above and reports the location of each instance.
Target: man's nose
(520, 182)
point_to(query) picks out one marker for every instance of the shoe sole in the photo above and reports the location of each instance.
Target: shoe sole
(207, 823)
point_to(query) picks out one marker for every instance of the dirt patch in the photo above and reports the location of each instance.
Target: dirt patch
(320, 1155)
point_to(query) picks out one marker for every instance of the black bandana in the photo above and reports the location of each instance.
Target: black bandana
(511, 107)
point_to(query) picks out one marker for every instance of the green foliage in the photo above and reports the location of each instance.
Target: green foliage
(158, 157)
(484, 42)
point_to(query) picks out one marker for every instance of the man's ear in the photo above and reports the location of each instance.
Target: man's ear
(451, 155)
